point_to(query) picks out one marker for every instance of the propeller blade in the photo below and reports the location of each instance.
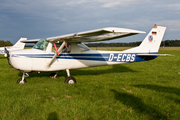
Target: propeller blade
(6, 52)
(56, 54)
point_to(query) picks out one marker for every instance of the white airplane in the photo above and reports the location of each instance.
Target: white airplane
(19, 45)
(71, 54)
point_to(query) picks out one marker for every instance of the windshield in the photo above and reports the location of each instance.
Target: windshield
(83, 47)
(41, 44)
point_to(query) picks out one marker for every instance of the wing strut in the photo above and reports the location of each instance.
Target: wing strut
(56, 54)
(56, 48)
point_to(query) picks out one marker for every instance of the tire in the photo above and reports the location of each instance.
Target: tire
(52, 75)
(19, 81)
(70, 80)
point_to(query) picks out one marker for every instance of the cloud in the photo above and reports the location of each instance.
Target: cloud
(48, 18)
(75, 2)
(114, 3)
(172, 25)
(174, 7)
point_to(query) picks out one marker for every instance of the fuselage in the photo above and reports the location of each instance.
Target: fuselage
(43, 57)
(37, 60)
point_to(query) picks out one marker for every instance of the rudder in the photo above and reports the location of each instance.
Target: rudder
(152, 41)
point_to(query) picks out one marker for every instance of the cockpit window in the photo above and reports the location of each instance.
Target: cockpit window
(41, 44)
(83, 47)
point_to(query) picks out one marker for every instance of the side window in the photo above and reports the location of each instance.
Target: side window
(66, 49)
(83, 47)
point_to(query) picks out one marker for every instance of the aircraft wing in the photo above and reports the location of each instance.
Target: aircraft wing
(96, 35)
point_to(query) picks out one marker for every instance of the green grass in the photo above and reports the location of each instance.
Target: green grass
(143, 90)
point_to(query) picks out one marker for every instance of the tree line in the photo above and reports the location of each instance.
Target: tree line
(5, 43)
(166, 43)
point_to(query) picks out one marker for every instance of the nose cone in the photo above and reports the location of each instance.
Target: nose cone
(9, 58)
(20, 60)
(14, 60)
(7, 54)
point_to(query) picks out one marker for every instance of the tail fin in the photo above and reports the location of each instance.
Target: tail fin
(152, 41)
(19, 44)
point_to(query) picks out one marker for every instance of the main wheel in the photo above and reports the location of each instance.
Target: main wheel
(70, 80)
(53, 75)
(19, 81)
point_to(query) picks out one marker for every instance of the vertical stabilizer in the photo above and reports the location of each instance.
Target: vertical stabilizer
(19, 44)
(152, 41)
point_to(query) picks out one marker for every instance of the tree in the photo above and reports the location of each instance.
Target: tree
(5, 43)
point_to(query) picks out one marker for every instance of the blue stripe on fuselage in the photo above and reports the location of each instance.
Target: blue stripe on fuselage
(109, 57)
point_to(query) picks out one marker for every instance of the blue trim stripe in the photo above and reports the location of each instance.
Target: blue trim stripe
(109, 57)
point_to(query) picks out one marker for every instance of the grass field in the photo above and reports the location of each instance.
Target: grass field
(144, 90)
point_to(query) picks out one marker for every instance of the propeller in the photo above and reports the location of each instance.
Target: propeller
(57, 53)
(6, 52)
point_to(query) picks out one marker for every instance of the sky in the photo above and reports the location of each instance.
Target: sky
(47, 18)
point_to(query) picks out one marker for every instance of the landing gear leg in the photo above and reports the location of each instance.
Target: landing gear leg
(22, 80)
(69, 79)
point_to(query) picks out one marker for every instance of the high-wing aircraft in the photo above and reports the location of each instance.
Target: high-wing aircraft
(66, 52)
(19, 45)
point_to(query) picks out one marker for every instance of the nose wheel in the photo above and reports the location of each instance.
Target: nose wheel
(22, 80)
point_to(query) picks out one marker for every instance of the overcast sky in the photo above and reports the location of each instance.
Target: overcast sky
(48, 18)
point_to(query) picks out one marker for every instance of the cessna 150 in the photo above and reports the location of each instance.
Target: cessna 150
(71, 54)
(19, 45)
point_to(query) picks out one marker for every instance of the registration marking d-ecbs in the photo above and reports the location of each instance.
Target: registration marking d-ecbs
(122, 57)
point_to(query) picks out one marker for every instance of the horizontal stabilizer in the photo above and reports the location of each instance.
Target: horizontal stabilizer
(148, 57)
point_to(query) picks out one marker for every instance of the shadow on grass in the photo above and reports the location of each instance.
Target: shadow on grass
(160, 89)
(53, 116)
(137, 105)
(113, 69)
(75, 72)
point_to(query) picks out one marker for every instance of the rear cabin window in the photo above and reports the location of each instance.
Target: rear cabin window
(83, 47)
